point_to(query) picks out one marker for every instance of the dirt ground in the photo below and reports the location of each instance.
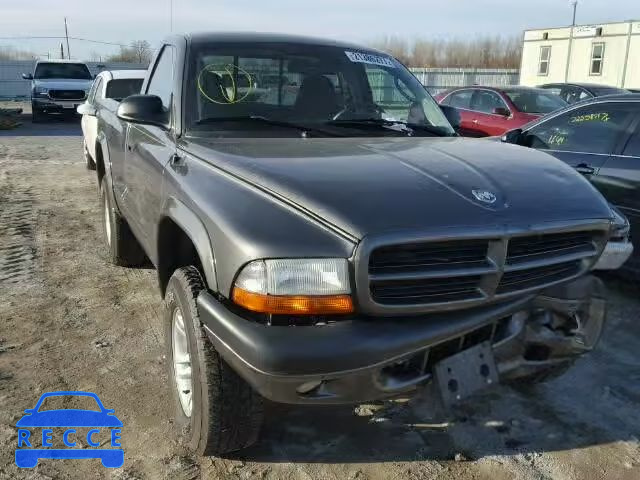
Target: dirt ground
(70, 321)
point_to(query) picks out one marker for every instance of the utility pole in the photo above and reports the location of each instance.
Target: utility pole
(171, 16)
(61, 51)
(573, 26)
(66, 34)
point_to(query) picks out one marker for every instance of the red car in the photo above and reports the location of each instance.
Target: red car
(489, 111)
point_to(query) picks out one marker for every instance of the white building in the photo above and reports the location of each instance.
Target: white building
(607, 54)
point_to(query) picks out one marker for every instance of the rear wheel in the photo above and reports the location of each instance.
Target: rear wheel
(122, 247)
(88, 161)
(217, 411)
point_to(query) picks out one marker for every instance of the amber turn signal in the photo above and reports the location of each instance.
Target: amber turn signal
(293, 304)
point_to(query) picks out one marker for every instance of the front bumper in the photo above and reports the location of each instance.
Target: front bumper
(366, 359)
(614, 255)
(53, 105)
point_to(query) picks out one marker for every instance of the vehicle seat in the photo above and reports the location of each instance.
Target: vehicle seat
(211, 84)
(317, 98)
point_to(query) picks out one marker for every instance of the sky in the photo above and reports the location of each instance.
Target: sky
(362, 21)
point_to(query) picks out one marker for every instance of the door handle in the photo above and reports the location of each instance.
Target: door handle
(585, 169)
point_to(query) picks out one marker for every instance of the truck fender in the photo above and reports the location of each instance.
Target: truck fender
(189, 222)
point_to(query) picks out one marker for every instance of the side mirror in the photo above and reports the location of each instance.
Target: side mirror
(27, 76)
(453, 115)
(512, 136)
(86, 109)
(502, 111)
(143, 109)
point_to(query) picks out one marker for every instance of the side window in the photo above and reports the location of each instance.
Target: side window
(591, 129)
(554, 90)
(486, 102)
(545, 57)
(597, 57)
(161, 83)
(633, 146)
(461, 99)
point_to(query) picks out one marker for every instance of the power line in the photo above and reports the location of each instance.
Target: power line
(73, 38)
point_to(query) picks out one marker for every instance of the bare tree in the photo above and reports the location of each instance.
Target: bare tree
(12, 53)
(483, 51)
(139, 52)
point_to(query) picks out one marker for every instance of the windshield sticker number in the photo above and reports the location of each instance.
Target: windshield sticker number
(555, 139)
(358, 57)
(592, 117)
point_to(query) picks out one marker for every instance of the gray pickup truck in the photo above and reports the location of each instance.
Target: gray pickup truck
(327, 238)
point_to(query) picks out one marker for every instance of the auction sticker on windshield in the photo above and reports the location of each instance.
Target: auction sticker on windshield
(359, 57)
(61, 432)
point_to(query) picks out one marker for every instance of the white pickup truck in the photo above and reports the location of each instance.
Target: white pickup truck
(109, 88)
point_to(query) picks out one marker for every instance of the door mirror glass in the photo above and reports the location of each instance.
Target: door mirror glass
(501, 111)
(86, 109)
(453, 116)
(27, 76)
(512, 136)
(144, 109)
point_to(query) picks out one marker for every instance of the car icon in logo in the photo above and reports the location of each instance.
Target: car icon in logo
(68, 418)
(484, 196)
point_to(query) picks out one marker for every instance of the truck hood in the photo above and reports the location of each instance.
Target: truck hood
(62, 84)
(374, 185)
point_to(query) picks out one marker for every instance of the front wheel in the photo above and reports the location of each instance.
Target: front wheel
(216, 410)
(37, 115)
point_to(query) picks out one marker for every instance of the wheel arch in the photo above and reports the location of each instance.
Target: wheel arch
(102, 161)
(183, 240)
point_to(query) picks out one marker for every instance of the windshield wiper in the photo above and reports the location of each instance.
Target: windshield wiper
(381, 122)
(266, 121)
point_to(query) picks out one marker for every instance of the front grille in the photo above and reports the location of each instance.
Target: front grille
(67, 94)
(532, 277)
(417, 276)
(431, 256)
(524, 249)
(433, 290)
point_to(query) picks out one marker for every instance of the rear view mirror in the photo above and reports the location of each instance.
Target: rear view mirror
(453, 115)
(86, 109)
(501, 111)
(143, 109)
(27, 76)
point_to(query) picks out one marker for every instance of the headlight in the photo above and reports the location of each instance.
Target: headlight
(619, 225)
(41, 91)
(310, 286)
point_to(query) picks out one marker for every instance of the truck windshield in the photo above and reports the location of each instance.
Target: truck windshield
(348, 91)
(77, 71)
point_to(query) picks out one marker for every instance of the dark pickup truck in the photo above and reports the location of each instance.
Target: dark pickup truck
(325, 237)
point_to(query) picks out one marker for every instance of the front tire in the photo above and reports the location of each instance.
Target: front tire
(122, 247)
(217, 411)
(37, 115)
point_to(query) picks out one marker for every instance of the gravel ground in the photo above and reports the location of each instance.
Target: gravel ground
(70, 321)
